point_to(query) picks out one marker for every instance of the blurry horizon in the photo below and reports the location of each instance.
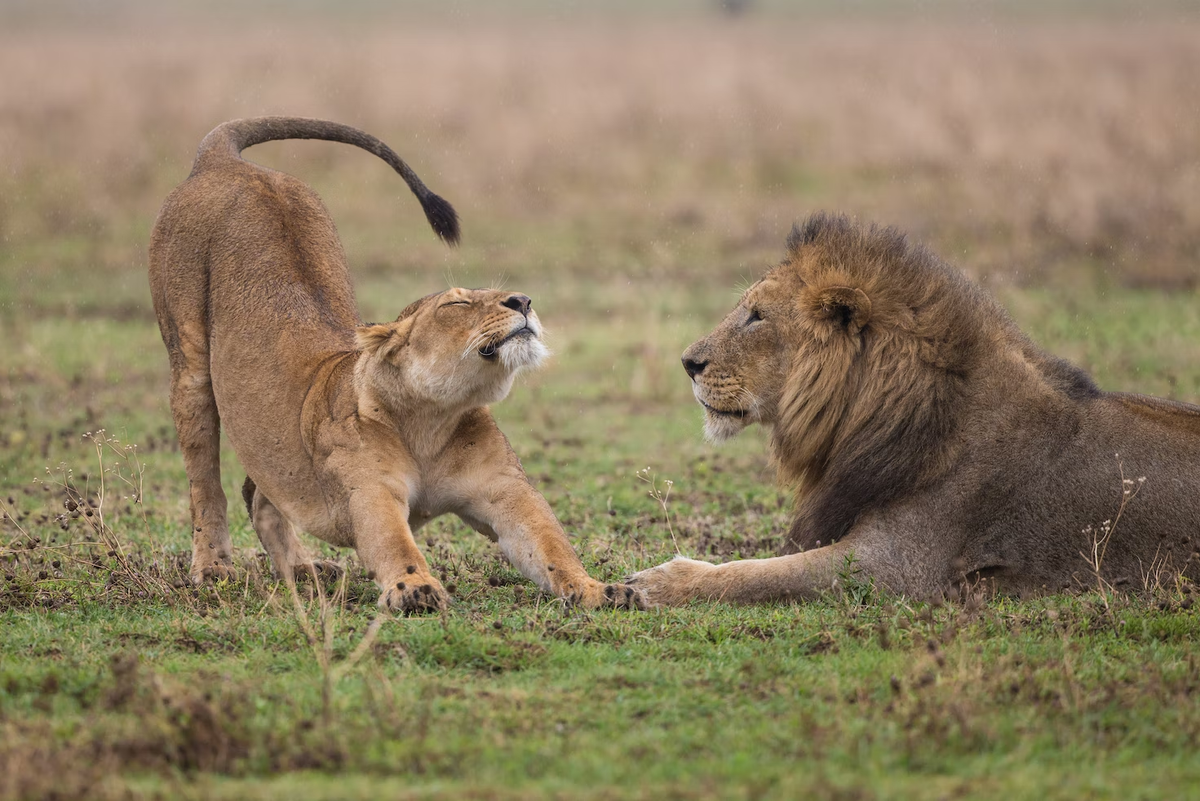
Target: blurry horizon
(1024, 142)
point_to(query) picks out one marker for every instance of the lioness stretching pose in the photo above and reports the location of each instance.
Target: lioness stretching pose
(355, 434)
(930, 439)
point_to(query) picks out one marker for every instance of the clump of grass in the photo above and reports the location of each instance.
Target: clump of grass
(61, 568)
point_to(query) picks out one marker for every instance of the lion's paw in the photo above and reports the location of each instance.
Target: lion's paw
(622, 596)
(218, 571)
(597, 595)
(413, 597)
(323, 569)
(675, 582)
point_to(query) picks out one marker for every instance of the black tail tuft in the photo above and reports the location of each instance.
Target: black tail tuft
(442, 217)
(248, 489)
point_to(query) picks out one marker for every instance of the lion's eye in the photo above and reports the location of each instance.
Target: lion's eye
(455, 303)
(755, 317)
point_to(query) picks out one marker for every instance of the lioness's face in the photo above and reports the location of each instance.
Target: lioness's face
(738, 371)
(458, 347)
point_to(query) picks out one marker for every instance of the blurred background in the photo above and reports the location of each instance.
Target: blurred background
(630, 165)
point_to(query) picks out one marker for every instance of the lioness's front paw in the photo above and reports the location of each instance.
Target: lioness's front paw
(412, 597)
(622, 596)
(676, 582)
(217, 571)
(595, 595)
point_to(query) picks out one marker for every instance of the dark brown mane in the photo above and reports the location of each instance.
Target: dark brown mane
(870, 416)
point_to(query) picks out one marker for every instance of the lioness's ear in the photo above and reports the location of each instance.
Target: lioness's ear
(844, 306)
(386, 338)
(370, 337)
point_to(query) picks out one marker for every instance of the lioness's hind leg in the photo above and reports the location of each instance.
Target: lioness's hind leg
(289, 557)
(199, 428)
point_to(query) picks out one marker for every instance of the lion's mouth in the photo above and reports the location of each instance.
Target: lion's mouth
(738, 413)
(491, 351)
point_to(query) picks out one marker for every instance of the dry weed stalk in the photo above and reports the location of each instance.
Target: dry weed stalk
(662, 496)
(1101, 535)
(322, 645)
(126, 471)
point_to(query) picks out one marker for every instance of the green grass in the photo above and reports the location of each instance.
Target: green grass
(511, 695)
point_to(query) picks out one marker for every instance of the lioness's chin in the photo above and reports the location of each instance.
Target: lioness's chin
(523, 353)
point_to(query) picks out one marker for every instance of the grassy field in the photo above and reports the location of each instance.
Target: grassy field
(631, 172)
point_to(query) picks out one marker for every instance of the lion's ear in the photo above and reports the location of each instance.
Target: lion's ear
(386, 338)
(844, 306)
(370, 337)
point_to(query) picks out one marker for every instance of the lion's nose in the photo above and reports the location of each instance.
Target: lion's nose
(693, 368)
(520, 303)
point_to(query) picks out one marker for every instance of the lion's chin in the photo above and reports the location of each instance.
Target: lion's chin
(720, 427)
(523, 353)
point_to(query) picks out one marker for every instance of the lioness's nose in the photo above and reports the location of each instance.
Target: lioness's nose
(693, 368)
(520, 303)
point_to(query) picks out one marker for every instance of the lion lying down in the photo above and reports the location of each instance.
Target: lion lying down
(930, 439)
(357, 434)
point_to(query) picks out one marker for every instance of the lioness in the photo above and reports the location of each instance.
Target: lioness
(929, 438)
(357, 434)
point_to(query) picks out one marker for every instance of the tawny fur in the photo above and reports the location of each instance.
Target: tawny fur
(356, 434)
(930, 438)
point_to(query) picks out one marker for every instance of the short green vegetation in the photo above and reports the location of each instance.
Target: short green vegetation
(117, 676)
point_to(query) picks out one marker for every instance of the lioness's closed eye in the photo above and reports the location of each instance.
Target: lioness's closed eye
(356, 434)
(929, 438)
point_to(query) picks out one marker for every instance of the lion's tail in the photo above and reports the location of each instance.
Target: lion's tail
(229, 139)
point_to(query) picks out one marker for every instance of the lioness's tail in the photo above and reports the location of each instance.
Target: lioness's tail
(228, 140)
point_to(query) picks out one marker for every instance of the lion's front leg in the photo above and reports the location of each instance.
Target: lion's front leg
(521, 522)
(386, 547)
(802, 575)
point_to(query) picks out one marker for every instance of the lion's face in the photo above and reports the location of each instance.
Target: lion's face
(461, 347)
(738, 370)
(783, 353)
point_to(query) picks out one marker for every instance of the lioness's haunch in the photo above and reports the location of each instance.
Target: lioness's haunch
(357, 434)
(929, 438)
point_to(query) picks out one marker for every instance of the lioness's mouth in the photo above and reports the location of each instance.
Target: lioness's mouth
(738, 413)
(491, 350)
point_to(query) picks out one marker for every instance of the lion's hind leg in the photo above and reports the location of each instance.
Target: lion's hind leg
(289, 557)
(199, 428)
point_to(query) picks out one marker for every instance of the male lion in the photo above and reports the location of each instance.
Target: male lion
(929, 439)
(357, 434)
